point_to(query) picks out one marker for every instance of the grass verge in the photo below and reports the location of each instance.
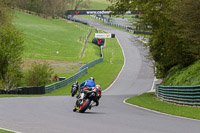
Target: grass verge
(148, 100)
(4, 131)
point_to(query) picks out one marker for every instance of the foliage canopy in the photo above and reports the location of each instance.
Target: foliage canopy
(176, 30)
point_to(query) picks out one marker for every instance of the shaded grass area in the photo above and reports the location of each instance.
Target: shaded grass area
(148, 100)
(188, 76)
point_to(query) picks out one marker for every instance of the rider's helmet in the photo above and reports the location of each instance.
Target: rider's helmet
(91, 78)
(98, 87)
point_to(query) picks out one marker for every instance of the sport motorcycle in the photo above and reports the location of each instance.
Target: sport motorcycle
(86, 98)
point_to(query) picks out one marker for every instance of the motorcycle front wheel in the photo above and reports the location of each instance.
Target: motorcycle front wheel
(84, 106)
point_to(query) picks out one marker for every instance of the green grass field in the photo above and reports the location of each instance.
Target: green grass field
(97, 5)
(148, 100)
(52, 39)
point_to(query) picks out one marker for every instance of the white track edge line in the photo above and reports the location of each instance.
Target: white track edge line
(10, 130)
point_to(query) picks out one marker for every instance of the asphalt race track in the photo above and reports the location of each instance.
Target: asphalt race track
(55, 115)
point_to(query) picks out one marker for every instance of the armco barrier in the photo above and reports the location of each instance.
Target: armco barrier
(185, 95)
(75, 20)
(92, 63)
(83, 70)
(24, 90)
(62, 83)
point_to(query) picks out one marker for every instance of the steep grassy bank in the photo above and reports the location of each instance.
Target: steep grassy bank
(188, 76)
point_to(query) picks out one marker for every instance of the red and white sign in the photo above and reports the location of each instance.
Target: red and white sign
(103, 35)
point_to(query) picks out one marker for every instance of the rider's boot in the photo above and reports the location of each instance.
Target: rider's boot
(74, 109)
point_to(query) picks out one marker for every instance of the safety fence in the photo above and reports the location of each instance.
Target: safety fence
(91, 63)
(75, 20)
(185, 95)
(24, 90)
(83, 71)
(65, 82)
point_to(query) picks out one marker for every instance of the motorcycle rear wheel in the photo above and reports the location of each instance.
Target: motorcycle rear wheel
(85, 105)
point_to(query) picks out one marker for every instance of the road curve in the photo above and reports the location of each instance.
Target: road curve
(54, 114)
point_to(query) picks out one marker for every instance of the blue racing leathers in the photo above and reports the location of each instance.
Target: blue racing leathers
(89, 83)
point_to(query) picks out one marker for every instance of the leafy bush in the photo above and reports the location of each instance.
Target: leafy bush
(39, 74)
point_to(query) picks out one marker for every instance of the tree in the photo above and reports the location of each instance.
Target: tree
(11, 50)
(5, 14)
(175, 26)
(186, 15)
(46, 7)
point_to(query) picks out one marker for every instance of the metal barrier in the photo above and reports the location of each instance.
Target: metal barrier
(24, 90)
(75, 20)
(91, 63)
(185, 95)
(65, 82)
(83, 71)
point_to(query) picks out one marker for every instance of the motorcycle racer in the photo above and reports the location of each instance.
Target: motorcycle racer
(89, 85)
